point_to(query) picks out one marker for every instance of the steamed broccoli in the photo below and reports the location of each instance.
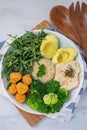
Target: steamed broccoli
(36, 103)
(44, 108)
(63, 95)
(33, 101)
(52, 86)
(46, 97)
(38, 88)
(50, 98)
(56, 107)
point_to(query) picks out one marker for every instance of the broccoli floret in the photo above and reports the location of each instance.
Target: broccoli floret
(36, 103)
(33, 101)
(56, 107)
(44, 108)
(63, 95)
(50, 98)
(38, 88)
(52, 86)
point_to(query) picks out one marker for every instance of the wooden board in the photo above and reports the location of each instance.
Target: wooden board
(33, 119)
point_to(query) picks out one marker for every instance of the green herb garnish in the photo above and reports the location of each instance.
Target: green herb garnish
(41, 71)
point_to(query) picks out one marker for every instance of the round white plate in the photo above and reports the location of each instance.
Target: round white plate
(64, 42)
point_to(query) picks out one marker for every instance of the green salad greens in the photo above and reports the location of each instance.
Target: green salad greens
(46, 97)
(24, 51)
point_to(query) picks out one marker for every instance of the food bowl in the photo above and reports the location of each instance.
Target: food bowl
(65, 42)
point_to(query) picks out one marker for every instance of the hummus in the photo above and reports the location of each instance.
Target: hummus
(68, 74)
(50, 70)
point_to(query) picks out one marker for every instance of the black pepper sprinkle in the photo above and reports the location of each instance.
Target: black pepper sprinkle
(70, 72)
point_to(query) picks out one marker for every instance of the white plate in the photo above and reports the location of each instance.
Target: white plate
(64, 42)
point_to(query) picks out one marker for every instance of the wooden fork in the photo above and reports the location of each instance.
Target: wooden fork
(78, 17)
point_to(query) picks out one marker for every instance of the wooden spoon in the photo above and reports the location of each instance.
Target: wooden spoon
(59, 17)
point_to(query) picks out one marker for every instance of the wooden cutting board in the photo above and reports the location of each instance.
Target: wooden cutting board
(33, 119)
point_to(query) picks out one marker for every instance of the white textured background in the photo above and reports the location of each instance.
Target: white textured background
(17, 16)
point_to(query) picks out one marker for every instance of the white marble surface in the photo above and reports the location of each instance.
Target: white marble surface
(17, 16)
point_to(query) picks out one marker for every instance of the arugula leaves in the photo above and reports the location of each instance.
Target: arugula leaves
(24, 51)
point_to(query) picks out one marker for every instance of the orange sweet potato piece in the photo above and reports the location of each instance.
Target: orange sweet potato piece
(12, 89)
(20, 97)
(22, 88)
(27, 79)
(15, 77)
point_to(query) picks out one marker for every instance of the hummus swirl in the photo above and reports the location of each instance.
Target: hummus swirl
(68, 74)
